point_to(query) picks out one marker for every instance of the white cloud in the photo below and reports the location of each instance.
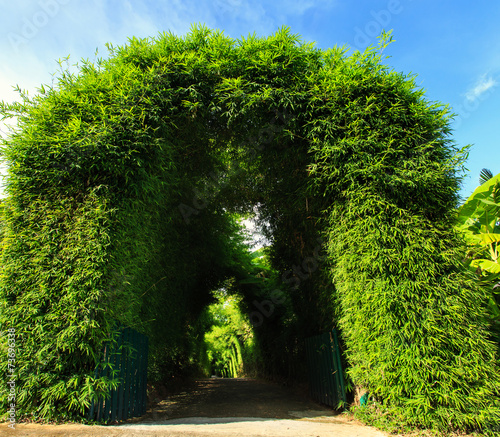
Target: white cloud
(484, 84)
(293, 7)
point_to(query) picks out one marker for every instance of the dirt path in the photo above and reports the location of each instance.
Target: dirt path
(222, 407)
(238, 397)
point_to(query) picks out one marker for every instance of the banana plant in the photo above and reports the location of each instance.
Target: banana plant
(479, 221)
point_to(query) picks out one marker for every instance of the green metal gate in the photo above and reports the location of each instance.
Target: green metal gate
(129, 357)
(326, 380)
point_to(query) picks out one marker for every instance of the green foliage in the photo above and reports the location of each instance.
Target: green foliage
(125, 178)
(479, 222)
(229, 342)
(410, 316)
(485, 176)
(267, 301)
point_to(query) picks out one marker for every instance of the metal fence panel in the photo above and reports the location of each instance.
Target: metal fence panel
(326, 380)
(128, 360)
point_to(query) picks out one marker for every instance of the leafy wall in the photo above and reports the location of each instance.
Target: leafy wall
(124, 178)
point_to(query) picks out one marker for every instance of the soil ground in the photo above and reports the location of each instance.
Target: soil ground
(220, 407)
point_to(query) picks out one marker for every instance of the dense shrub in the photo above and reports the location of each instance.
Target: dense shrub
(124, 178)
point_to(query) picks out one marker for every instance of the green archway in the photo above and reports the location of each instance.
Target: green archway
(122, 184)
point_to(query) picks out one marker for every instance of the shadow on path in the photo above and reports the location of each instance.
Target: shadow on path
(222, 408)
(235, 398)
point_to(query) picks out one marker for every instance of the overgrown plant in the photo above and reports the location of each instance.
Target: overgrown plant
(124, 177)
(228, 341)
(479, 221)
(411, 317)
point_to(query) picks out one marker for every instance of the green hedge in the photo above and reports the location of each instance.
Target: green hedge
(412, 317)
(124, 178)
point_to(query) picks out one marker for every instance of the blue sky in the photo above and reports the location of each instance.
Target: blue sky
(452, 45)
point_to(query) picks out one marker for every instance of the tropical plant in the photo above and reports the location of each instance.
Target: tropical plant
(479, 221)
